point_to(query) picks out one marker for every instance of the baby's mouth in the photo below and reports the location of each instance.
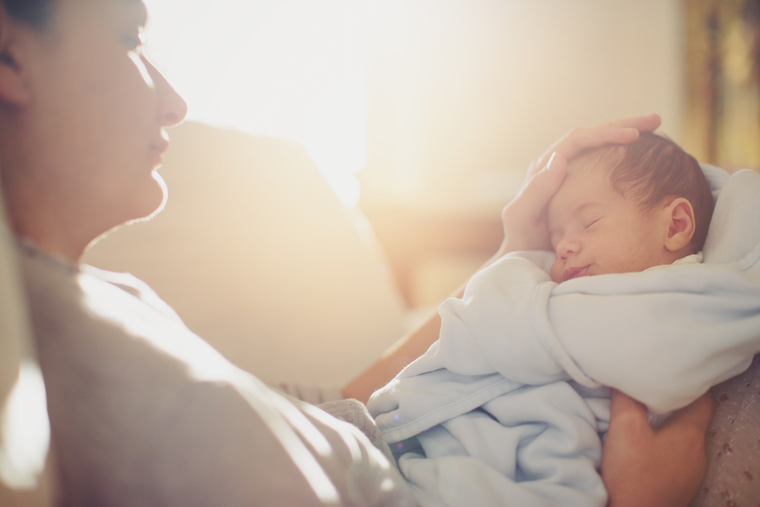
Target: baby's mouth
(570, 273)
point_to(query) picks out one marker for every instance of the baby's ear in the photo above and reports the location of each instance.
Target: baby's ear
(681, 225)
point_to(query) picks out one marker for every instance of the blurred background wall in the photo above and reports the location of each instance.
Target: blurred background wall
(426, 113)
(436, 106)
(463, 95)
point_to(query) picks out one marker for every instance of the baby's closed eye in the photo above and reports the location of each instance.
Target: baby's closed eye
(588, 223)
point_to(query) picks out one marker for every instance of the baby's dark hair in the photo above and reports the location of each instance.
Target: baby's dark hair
(653, 168)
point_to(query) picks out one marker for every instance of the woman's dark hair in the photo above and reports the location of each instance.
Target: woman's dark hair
(33, 12)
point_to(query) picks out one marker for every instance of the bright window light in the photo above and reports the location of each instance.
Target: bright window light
(24, 430)
(294, 69)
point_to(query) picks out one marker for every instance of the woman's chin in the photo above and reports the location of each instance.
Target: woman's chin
(149, 205)
(151, 201)
(161, 198)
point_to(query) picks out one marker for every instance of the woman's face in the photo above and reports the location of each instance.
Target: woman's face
(98, 113)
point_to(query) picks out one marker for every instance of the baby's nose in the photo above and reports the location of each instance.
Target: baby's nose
(567, 247)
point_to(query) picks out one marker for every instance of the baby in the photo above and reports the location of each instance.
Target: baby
(628, 208)
(509, 404)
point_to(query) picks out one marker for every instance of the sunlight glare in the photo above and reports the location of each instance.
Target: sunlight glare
(346, 187)
(293, 69)
(24, 429)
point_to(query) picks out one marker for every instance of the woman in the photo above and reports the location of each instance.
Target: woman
(144, 412)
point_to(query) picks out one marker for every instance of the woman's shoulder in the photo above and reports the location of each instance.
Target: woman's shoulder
(66, 289)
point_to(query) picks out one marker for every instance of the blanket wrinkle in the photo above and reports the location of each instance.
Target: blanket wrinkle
(512, 402)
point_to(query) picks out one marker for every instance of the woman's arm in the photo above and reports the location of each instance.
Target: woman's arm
(524, 229)
(403, 352)
(645, 466)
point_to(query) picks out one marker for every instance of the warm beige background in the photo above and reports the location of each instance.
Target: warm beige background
(460, 89)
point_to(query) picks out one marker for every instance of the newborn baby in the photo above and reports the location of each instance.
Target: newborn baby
(511, 404)
(628, 208)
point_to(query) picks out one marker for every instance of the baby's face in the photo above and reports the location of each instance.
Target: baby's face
(595, 230)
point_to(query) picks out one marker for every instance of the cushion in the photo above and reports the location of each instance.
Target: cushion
(260, 258)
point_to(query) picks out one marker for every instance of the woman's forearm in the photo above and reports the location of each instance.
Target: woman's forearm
(403, 352)
(654, 467)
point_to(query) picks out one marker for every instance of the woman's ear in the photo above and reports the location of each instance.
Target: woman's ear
(14, 89)
(679, 216)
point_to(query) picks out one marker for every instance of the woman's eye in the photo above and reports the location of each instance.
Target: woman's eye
(134, 41)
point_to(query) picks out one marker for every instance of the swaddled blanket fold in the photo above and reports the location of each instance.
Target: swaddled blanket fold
(509, 405)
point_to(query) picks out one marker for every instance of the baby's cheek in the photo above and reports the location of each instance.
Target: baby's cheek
(557, 269)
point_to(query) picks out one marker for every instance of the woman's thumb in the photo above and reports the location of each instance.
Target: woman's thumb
(545, 183)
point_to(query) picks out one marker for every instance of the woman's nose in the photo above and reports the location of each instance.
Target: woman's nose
(172, 108)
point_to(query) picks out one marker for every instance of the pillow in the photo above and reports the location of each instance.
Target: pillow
(260, 258)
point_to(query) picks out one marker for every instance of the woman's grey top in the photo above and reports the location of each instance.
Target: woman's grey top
(144, 412)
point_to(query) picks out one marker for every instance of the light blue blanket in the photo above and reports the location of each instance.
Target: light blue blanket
(509, 406)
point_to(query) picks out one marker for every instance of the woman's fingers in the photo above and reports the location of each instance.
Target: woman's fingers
(646, 123)
(621, 131)
(582, 139)
(542, 185)
(524, 218)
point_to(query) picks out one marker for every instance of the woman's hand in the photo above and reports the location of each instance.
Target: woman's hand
(524, 229)
(524, 217)
(645, 466)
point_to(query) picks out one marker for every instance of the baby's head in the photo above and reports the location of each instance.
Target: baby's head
(627, 208)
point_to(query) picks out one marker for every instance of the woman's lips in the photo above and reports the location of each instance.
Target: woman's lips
(157, 149)
(570, 273)
(160, 145)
